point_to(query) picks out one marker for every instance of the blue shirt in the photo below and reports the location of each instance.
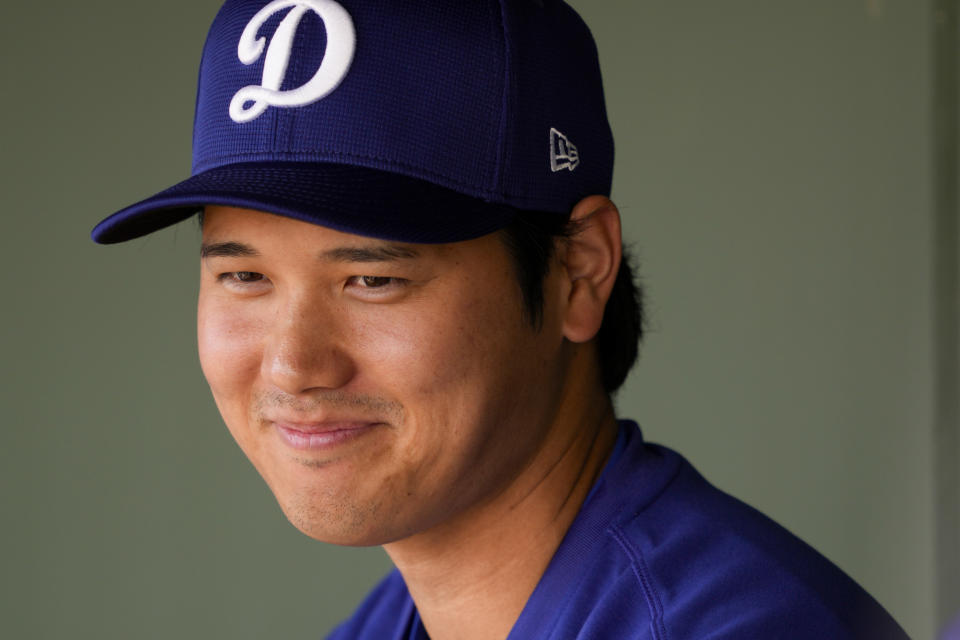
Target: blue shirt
(658, 553)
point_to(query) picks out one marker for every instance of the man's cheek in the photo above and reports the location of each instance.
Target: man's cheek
(230, 347)
(400, 347)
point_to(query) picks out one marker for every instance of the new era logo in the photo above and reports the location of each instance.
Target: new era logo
(563, 153)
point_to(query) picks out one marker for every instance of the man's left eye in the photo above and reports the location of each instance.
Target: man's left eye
(373, 282)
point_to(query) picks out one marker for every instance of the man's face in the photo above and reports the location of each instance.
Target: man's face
(379, 388)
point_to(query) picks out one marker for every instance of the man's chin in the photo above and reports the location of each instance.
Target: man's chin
(347, 526)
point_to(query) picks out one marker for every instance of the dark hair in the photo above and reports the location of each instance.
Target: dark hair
(531, 240)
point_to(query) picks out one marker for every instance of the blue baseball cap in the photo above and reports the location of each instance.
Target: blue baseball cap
(427, 121)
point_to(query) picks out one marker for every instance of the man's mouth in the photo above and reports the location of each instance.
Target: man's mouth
(322, 435)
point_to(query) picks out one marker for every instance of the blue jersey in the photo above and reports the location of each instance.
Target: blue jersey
(658, 553)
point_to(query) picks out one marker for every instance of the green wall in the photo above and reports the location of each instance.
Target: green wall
(776, 169)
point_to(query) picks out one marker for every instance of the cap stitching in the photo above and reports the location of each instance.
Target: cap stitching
(499, 175)
(313, 157)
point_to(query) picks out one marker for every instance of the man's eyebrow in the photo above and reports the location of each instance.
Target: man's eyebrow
(228, 250)
(378, 253)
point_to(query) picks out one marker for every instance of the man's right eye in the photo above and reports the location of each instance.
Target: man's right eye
(240, 277)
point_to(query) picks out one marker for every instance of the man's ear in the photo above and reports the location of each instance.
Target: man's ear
(591, 260)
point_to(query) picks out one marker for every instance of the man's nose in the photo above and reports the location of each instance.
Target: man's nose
(303, 350)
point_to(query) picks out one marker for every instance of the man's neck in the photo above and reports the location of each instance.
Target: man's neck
(470, 578)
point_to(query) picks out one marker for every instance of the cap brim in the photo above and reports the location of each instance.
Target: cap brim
(359, 200)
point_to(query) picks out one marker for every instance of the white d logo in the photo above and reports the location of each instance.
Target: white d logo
(341, 43)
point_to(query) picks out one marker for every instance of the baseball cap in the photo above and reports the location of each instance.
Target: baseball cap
(426, 121)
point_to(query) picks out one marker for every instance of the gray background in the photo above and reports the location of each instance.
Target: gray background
(787, 172)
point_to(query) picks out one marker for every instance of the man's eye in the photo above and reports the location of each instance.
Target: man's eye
(373, 282)
(240, 277)
(380, 284)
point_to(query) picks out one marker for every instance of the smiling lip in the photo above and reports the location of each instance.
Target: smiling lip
(323, 435)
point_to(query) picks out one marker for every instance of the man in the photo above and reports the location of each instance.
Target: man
(413, 311)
